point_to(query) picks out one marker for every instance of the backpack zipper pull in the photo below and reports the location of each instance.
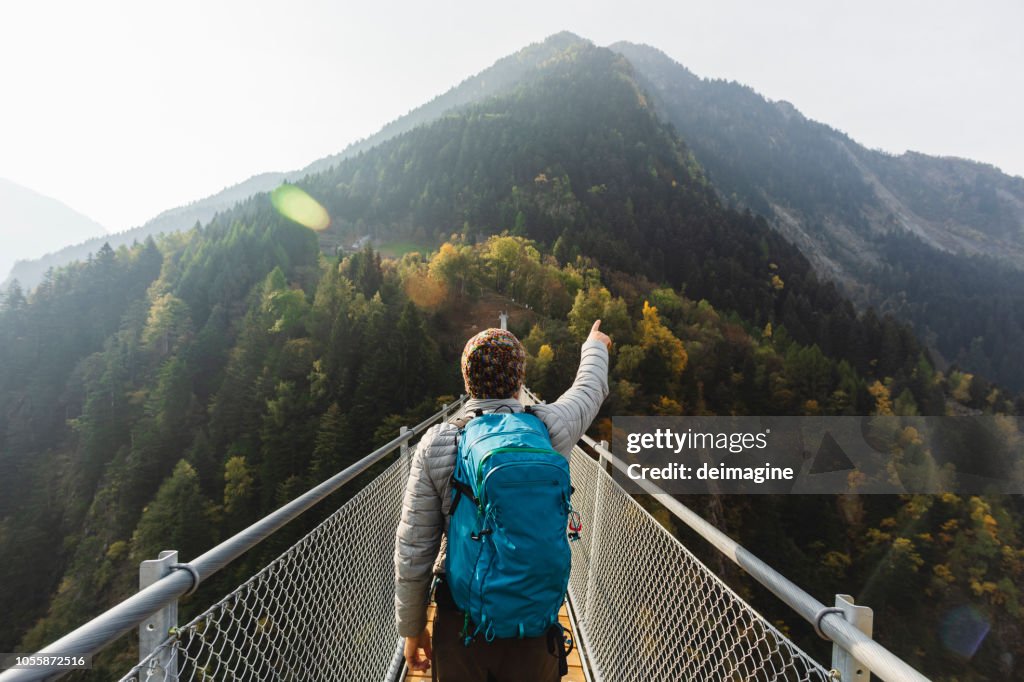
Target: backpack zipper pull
(575, 523)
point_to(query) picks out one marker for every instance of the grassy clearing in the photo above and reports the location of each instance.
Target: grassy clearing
(400, 248)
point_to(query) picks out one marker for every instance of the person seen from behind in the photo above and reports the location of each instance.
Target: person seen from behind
(493, 368)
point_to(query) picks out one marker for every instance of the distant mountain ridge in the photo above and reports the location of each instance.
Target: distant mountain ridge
(32, 224)
(495, 79)
(825, 191)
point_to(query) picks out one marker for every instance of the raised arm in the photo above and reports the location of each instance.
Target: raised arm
(569, 417)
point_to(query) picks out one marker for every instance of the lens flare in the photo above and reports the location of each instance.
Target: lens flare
(963, 630)
(293, 203)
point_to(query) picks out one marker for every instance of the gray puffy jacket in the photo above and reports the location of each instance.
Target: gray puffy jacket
(428, 497)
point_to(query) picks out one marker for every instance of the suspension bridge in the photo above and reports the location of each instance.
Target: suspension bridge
(640, 605)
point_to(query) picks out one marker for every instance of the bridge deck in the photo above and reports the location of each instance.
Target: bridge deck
(575, 665)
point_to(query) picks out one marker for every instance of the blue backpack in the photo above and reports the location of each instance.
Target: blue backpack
(508, 550)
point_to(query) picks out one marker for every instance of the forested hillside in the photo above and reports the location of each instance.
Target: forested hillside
(959, 225)
(166, 394)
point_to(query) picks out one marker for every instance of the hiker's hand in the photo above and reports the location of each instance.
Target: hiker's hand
(413, 645)
(597, 335)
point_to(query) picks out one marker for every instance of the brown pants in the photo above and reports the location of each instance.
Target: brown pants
(503, 660)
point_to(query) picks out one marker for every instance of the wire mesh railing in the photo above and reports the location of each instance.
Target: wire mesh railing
(855, 655)
(647, 609)
(323, 610)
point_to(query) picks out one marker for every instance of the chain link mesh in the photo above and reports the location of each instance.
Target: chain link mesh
(647, 609)
(323, 610)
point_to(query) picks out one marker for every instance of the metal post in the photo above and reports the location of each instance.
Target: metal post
(404, 447)
(155, 629)
(843, 662)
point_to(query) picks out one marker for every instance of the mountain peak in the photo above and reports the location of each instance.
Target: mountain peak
(32, 224)
(499, 77)
(564, 39)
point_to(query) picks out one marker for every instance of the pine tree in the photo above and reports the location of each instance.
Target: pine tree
(333, 449)
(177, 518)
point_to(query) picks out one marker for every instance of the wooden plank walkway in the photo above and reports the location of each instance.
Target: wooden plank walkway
(575, 665)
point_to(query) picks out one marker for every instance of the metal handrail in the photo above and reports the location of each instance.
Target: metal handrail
(829, 621)
(100, 632)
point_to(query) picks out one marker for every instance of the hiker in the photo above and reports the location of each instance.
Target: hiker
(493, 365)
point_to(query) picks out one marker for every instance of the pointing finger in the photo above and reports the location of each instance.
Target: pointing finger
(596, 327)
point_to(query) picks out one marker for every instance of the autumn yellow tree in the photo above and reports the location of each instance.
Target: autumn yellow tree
(596, 303)
(453, 265)
(657, 359)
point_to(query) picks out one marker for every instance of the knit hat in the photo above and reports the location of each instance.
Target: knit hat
(493, 364)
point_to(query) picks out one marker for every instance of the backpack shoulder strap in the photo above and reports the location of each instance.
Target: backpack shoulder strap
(460, 422)
(460, 488)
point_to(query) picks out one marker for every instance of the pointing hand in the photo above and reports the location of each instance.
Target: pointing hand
(597, 335)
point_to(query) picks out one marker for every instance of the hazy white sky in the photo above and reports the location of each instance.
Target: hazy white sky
(124, 109)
